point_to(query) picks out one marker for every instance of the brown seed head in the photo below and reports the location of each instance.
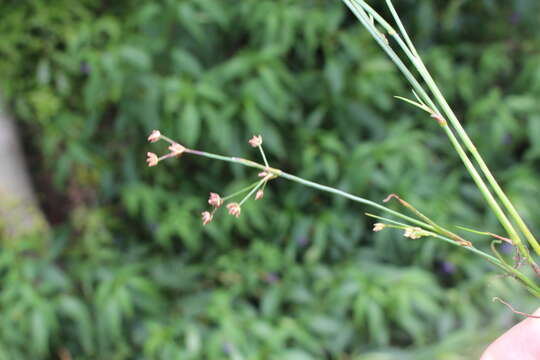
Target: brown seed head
(177, 149)
(414, 233)
(234, 209)
(215, 200)
(151, 159)
(154, 136)
(255, 141)
(206, 217)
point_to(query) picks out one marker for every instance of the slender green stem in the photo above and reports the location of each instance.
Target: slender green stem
(417, 61)
(362, 17)
(167, 139)
(308, 183)
(402, 28)
(442, 237)
(259, 183)
(235, 160)
(263, 155)
(438, 229)
(311, 184)
(361, 9)
(534, 291)
(360, 13)
(240, 191)
(503, 219)
(493, 247)
(529, 284)
(354, 198)
(481, 163)
(531, 287)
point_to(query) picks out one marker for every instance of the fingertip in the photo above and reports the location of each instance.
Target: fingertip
(487, 355)
(520, 342)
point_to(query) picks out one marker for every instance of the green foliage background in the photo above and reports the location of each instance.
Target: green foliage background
(129, 272)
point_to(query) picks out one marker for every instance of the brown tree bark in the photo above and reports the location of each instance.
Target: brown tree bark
(19, 210)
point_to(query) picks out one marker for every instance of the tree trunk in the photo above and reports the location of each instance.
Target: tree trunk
(19, 210)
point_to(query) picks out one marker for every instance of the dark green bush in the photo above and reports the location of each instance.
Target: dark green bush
(129, 272)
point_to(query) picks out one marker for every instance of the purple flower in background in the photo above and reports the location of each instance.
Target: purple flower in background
(302, 241)
(507, 139)
(152, 227)
(515, 18)
(227, 348)
(448, 267)
(85, 68)
(506, 248)
(271, 277)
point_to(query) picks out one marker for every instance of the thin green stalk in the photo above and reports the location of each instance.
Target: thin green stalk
(464, 136)
(534, 291)
(235, 160)
(503, 219)
(437, 228)
(531, 287)
(493, 247)
(259, 183)
(402, 28)
(442, 237)
(167, 139)
(311, 184)
(240, 191)
(263, 155)
(529, 284)
(353, 197)
(481, 163)
(308, 183)
(361, 15)
(411, 52)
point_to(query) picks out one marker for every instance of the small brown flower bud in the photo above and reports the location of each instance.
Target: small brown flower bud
(206, 217)
(234, 209)
(259, 195)
(414, 233)
(439, 118)
(177, 149)
(215, 200)
(151, 159)
(255, 141)
(154, 136)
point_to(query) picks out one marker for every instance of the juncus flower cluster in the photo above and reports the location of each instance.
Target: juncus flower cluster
(175, 149)
(430, 99)
(215, 200)
(255, 190)
(414, 233)
(255, 141)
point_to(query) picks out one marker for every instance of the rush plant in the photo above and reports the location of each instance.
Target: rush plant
(426, 96)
